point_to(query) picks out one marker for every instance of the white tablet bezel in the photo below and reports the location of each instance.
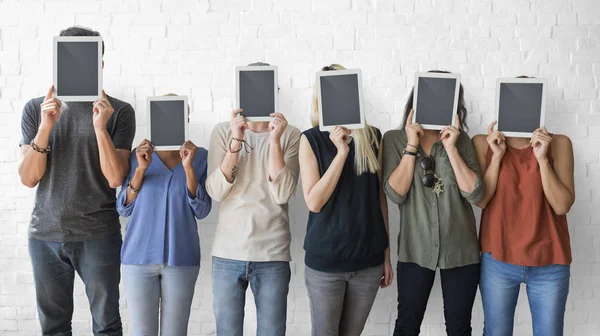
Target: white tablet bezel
(500, 81)
(356, 72)
(273, 68)
(60, 39)
(149, 100)
(416, 92)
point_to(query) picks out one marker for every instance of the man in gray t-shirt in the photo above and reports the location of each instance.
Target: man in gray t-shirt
(76, 153)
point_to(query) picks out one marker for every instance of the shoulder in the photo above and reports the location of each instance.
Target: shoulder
(377, 132)
(201, 155)
(480, 142)
(292, 133)
(561, 144)
(33, 105)
(121, 106)
(220, 130)
(395, 135)
(312, 133)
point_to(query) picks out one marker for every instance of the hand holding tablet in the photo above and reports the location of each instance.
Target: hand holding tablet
(277, 126)
(435, 99)
(168, 122)
(496, 141)
(340, 103)
(414, 131)
(78, 68)
(143, 154)
(102, 111)
(50, 110)
(187, 153)
(450, 134)
(339, 136)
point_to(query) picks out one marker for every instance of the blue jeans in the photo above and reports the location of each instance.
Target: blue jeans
(150, 288)
(547, 290)
(97, 262)
(269, 282)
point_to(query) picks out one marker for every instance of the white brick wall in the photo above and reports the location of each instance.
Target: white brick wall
(191, 47)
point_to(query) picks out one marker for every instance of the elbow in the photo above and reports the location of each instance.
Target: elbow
(114, 184)
(29, 182)
(563, 209)
(316, 208)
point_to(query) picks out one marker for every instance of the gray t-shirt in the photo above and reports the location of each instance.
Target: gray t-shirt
(74, 201)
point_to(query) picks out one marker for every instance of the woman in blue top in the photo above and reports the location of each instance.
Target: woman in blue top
(164, 194)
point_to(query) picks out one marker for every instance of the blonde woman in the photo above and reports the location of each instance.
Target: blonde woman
(347, 247)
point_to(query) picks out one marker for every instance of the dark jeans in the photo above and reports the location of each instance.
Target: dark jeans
(97, 262)
(459, 286)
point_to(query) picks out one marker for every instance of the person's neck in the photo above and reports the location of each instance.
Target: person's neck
(431, 135)
(167, 153)
(258, 126)
(518, 143)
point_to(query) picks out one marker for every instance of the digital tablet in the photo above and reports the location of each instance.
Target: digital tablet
(168, 122)
(78, 68)
(256, 91)
(520, 105)
(339, 95)
(435, 99)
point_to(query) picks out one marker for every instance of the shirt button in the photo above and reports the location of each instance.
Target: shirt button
(433, 203)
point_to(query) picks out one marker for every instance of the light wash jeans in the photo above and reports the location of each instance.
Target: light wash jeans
(269, 282)
(153, 288)
(547, 290)
(340, 302)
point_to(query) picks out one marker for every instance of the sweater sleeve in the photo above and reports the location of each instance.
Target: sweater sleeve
(283, 187)
(217, 185)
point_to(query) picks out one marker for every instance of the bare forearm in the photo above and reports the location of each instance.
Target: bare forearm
(191, 181)
(33, 165)
(320, 193)
(465, 177)
(490, 179)
(230, 160)
(136, 183)
(276, 161)
(558, 195)
(401, 179)
(113, 168)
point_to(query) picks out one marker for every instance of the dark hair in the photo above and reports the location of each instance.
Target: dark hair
(81, 31)
(259, 64)
(462, 109)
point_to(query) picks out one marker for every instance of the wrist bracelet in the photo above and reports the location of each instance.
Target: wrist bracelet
(38, 149)
(244, 143)
(132, 189)
(407, 152)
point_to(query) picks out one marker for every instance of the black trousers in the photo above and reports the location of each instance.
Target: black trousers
(459, 287)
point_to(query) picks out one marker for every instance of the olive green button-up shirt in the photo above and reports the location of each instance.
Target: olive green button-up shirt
(435, 231)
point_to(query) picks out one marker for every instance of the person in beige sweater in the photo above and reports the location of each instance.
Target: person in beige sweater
(253, 173)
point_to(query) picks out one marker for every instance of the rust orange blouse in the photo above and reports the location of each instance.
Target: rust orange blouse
(519, 226)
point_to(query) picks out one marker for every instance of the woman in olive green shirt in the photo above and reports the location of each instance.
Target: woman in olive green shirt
(434, 178)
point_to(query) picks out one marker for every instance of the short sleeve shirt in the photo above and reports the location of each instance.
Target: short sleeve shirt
(73, 200)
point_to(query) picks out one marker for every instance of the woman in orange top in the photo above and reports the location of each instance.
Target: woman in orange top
(524, 234)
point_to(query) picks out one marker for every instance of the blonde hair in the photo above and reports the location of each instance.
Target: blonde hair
(365, 139)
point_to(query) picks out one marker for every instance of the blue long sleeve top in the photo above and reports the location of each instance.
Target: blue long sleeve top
(162, 227)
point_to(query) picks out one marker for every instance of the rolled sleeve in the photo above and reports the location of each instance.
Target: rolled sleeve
(217, 185)
(201, 204)
(391, 160)
(283, 186)
(122, 209)
(470, 157)
(392, 194)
